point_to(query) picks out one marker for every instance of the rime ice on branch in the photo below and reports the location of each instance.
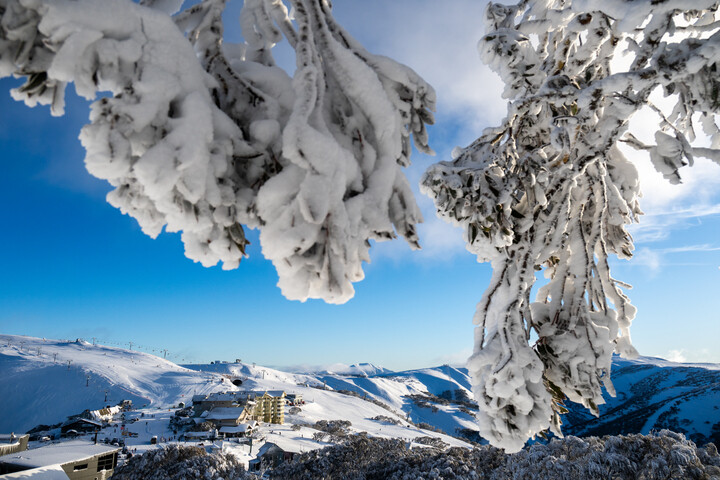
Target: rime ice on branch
(549, 190)
(206, 138)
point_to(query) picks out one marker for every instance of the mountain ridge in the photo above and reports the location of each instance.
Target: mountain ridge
(47, 380)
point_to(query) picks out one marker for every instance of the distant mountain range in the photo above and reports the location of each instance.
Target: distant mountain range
(44, 381)
(654, 394)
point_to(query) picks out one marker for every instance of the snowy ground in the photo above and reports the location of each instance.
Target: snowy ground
(45, 380)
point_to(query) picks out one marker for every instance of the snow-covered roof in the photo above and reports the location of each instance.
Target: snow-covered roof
(49, 472)
(219, 397)
(223, 413)
(83, 420)
(260, 393)
(284, 445)
(57, 454)
(275, 393)
(242, 428)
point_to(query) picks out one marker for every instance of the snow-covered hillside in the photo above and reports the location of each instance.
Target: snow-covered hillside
(653, 394)
(357, 370)
(39, 388)
(44, 381)
(409, 393)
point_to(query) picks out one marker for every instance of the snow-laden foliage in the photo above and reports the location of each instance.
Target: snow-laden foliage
(651, 457)
(549, 190)
(174, 462)
(209, 138)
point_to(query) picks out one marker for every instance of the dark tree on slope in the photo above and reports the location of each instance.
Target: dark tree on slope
(549, 189)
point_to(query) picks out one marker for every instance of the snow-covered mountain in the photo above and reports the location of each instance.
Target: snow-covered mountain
(44, 381)
(654, 394)
(355, 370)
(412, 394)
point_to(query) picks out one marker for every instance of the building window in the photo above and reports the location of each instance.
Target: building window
(107, 462)
(82, 466)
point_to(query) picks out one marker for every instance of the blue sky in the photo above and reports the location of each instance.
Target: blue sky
(73, 266)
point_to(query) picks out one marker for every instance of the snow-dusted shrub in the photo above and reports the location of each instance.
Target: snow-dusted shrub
(662, 455)
(427, 426)
(365, 397)
(386, 419)
(331, 430)
(431, 442)
(549, 190)
(175, 462)
(207, 138)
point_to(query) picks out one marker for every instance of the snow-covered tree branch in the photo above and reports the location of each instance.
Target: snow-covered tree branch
(208, 138)
(549, 190)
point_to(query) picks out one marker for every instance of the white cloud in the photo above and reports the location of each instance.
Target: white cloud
(701, 355)
(439, 41)
(676, 356)
(439, 240)
(646, 257)
(456, 359)
(656, 258)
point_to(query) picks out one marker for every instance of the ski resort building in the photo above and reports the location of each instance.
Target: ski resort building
(261, 406)
(80, 425)
(226, 416)
(270, 407)
(74, 460)
(202, 403)
(271, 455)
(241, 430)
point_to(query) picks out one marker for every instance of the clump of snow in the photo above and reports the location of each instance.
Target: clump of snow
(206, 138)
(549, 190)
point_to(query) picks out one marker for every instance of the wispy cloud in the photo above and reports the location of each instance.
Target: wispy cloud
(661, 224)
(655, 258)
(701, 355)
(691, 248)
(456, 359)
(439, 240)
(676, 356)
(439, 41)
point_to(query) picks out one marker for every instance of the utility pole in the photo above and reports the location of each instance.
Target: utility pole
(165, 352)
